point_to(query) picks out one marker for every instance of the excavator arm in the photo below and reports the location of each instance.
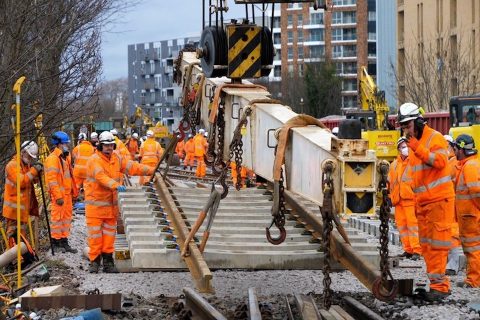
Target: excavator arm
(373, 99)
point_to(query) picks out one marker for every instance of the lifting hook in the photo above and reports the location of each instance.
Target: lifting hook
(281, 237)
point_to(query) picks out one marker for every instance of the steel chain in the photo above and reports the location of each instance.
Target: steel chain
(327, 217)
(236, 146)
(280, 217)
(219, 163)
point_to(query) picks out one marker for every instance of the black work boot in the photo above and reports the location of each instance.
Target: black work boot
(57, 246)
(67, 247)
(108, 264)
(95, 265)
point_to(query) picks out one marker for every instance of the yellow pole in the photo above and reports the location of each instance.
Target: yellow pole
(17, 90)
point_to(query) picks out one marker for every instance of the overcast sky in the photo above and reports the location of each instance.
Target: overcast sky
(153, 20)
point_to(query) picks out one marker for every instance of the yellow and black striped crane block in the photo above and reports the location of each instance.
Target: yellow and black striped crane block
(244, 51)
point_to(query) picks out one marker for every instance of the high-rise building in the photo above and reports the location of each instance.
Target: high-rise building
(150, 79)
(442, 35)
(345, 33)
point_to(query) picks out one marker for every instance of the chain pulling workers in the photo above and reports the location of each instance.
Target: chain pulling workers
(435, 196)
(467, 206)
(403, 199)
(104, 172)
(150, 153)
(30, 170)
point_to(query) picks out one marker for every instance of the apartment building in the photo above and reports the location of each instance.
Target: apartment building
(441, 33)
(346, 34)
(150, 78)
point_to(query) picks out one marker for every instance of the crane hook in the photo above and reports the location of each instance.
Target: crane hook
(280, 238)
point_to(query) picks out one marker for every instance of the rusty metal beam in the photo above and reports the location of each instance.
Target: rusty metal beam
(196, 264)
(112, 302)
(363, 270)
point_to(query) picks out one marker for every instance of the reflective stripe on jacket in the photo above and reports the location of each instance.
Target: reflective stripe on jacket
(28, 201)
(400, 178)
(81, 154)
(58, 176)
(151, 152)
(430, 170)
(103, 177)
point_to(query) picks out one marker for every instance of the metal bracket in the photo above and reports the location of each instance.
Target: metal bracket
(268, 138)
(239, 110)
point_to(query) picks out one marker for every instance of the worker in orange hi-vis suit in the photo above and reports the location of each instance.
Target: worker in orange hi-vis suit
(467, 206)
(29, 170)
(132, 145)
(200, 147)
(104, 171)
(189, 153)
(243, 174)
(121, 148)
(180, 149)
(403, 199)
(434, 195)
(150, 153)
(80, 155)
(453, 260)
(62, 188)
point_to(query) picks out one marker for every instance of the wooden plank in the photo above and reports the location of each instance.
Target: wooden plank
(195, 262)
(111, 302)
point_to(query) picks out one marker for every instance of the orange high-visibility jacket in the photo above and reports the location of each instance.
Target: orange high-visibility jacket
(150, 152)
(200, 145)
(58, 176)
(452, 163)
(400, 178)
(179, 149)
(190, 146)
(28, 201)
(132, 146)
(430, 170)
(80, 155)
(467, 187)
(103, 177)
(121, 148)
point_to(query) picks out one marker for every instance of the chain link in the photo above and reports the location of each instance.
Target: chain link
(327, 218)
(219, 163)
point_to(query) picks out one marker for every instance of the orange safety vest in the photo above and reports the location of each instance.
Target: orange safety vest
(121, 148)
(58, 176)
(179, 149)
(132, 146)
(430, 170)
(190, 146)
(103, 177)
(151, 151)
(80, 155)
(200, 145)
(400, 178)
(28, 201)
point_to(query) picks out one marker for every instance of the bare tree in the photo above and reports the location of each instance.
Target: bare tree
(438, 70)
(113, 99)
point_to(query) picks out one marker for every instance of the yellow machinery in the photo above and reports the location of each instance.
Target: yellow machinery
(160, 130)
(381, 136)
(464, 117)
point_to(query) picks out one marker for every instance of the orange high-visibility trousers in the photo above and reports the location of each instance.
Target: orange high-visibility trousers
(189, 159)
(408, 228)
(435, 240)
(11, 231)
(61, 218)
(100, 236)
(201, 167)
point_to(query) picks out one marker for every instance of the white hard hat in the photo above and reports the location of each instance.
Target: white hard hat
(82, 136)
(448, 138)
(335, 130)
(94, 135)
(135, 135)
(149, 133)
(190, 135)
(106, 138)
(31, 148)
(400, 140)
(408, 111)
(201, 131)
(206, 134)
(114, 132)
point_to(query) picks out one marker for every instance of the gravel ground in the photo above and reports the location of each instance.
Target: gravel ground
(152, 293)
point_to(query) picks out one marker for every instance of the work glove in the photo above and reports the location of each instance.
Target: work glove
(59, 201)
(412, 142)
(38, 166)
(121, 188)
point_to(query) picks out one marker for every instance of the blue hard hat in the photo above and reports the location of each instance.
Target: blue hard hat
(60, 137)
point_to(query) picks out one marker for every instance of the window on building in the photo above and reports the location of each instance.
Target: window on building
(338, 68)
(300, 52)
(336, 51)
(317, 52)
(372, 16)
(349, 101)
(372, 69)
(316, 18)
(276, 22)
(277, 71)
(372, 49)
(316, 35)
(350, 67)
(350, 84)
(290, 36)
(344, 2)
(300, 20)
(277, 38)
(289, 20)
(300, 70)
(290, 53)
(300, 35)
(336, 34)
(349, 34)
(337, 17)
(349, 17)
(350, 51)
(290, 69)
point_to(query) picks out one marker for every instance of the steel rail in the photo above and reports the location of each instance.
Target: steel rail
(253, 308)
(195, 262)
(197, 304)
(307, 308)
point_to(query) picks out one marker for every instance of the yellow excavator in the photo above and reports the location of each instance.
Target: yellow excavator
(381, 135)
(147, 123)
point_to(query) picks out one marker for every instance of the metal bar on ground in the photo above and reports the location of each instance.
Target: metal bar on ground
(307, 307)
(344, 253)
(342, 313)
(253, 308)
(200, 306)
(360, 311)
(195, 262)
(82, 301)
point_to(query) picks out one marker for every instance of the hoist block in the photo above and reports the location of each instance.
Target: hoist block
(244, 51)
